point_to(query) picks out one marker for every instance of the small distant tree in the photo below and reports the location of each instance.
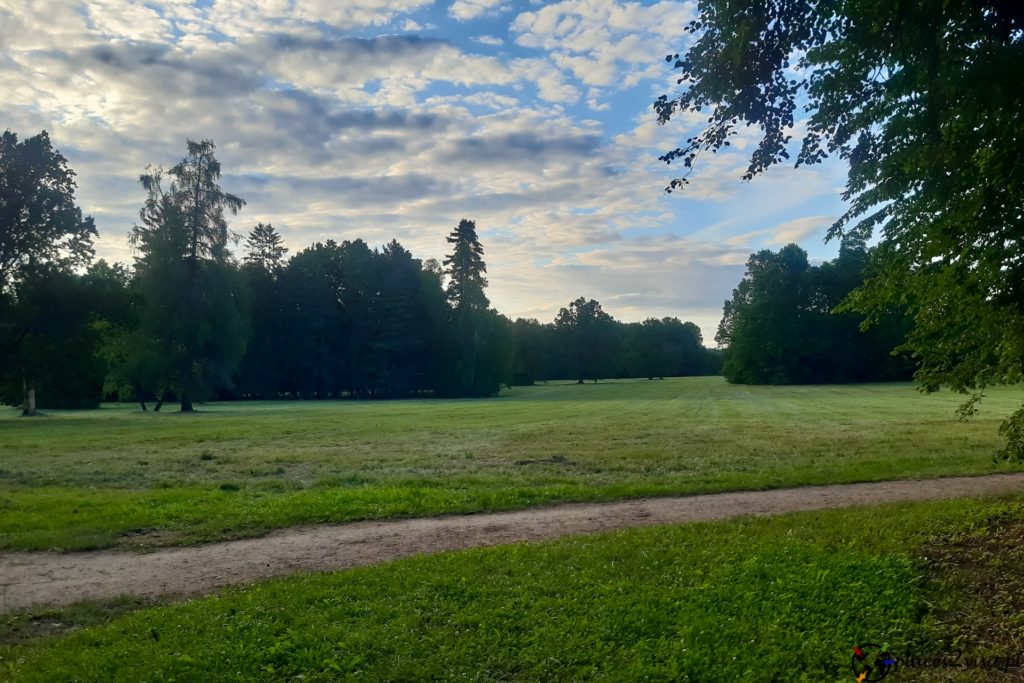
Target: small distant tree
(194, 309)
(265, 249)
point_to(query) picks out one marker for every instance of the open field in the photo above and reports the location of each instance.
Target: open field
(89, 479)
(782, 598)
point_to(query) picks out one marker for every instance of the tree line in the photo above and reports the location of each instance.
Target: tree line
(786, 323)
(189, 320)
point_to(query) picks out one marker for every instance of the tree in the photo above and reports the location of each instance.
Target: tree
(664, 347)
(479, 366)
(923, 101)
(588, 338)
(265, 249)
(194, 309)
(780, 326)
(534, 352)
(39, 220)
(465, 269)
(42, 234)
(56, 365)
(765, 323)
(261, 370)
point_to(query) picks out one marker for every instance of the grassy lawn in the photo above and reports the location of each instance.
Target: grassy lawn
(770, 599)
(90, 479)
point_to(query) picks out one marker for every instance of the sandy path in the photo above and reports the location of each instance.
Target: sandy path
(28, 579)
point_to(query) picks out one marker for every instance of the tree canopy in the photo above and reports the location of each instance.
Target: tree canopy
(194, 312)
(336, 319)
(39, 219)
(922, 100)
(43, 237)
(465, 269)
(779, 326)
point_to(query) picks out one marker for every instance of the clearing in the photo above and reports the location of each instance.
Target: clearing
(120, 477)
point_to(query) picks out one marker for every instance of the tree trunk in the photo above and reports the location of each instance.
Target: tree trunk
(186, 404)
(28, 408)
(159, 403)
(140, 396)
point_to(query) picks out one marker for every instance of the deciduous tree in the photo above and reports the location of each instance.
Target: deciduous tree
(588, 337)
(42, 235)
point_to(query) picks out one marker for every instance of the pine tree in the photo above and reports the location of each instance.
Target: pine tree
(465, 269)
(478, 366)
(265, 248)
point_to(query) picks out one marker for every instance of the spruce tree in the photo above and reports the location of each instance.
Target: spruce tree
(465, 269)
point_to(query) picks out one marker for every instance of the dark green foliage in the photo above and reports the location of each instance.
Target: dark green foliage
(780, 328)
(479, 358)
(923, 100)
(348, 320)
(533, 352)
(58, 353)
(265, 249)
(585, 343)
(46, 341)
(588, 337)
(39, 220)
(465, 269)
(193, 323)
(262, 370)
(666, 347)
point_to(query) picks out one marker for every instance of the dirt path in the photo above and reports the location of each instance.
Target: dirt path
(28, 579)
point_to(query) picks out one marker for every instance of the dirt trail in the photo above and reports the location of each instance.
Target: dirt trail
(29, 579)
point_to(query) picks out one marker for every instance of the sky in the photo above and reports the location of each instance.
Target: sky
(382, 119)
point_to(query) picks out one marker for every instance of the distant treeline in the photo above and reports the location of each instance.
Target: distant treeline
(785, 323)
(189, 321)
(334, 320)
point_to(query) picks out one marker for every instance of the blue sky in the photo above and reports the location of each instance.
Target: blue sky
(376, 119)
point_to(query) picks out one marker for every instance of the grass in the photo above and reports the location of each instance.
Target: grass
(117, 476)
(767, 599)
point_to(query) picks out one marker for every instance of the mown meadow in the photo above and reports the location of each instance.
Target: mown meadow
(118, 476)
(767, 599)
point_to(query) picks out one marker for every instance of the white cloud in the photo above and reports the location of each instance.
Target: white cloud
(464, 10)
(605, 44)
(489, 40)
(239, 18)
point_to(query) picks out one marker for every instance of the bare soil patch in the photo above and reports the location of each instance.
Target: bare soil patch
(34, 579)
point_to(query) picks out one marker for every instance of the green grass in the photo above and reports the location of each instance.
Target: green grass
(770, 599)
(88, 479)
